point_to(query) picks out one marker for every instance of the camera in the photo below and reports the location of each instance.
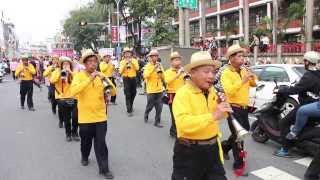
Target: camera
(64, 74)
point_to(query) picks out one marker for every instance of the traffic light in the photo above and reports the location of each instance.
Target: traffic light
(83, 23)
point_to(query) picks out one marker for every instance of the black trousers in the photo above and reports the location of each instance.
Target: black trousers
(26, 89)
(313, 171)
(154, 100)
(197, 162)
(241, 116)
(173, 129)
(96, 132)
(69, 116)
(130, 91)
(113, 98)
(13, 75)
(52, 97)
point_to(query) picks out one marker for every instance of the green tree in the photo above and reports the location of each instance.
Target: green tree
(84, 37)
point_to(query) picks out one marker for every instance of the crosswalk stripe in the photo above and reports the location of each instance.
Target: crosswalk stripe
(272, 173)
(304, 161)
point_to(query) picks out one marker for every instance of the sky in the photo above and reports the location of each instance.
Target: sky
(37, 20)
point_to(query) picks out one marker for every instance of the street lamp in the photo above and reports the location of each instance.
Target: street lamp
(118, 25)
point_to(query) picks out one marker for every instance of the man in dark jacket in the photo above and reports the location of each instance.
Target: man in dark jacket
(308, 89)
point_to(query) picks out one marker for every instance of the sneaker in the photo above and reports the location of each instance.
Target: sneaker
(68, 139)
(291, 136)
(282, 152)
(75, 137)
(158, 125)
(22, 107)
(60, 125)
(130, 114)
(84, 162)
(107, 175)
(32, 109)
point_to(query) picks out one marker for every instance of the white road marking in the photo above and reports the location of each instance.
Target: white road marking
(272, 173)
(304, 161)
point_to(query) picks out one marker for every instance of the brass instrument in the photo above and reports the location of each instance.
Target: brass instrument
(186, 76)
(159, 69)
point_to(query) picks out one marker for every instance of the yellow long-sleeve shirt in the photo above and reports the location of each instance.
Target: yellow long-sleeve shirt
(153, 79)
(47, 73)
(25, 73)
(193, 113)
(106, 68)
(131, 72)
(62, 87)
(90, 96)
(236, 91)
(173, 83)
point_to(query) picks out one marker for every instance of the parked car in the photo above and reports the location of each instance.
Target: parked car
(284, 74)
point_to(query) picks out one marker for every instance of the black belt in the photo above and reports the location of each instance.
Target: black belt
(189, 142)
(239, 106)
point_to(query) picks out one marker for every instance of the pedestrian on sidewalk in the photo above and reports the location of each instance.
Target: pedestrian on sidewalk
(67, 104)
(107, 68)
(13, 66)
(129, 68)
(197, 151)
(88, 87)
(154, 77)
(25, 72)
(175, 79)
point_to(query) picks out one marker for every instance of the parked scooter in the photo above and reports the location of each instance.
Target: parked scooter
(267, 126)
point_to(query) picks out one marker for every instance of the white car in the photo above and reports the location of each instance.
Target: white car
(284, 74)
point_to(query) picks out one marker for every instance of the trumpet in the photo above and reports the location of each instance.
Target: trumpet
(128, 65)
(186, 76)
(106, 86)
(159, 69)
(240, 131)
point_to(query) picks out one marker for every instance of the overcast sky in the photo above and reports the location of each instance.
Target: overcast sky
(37, 20)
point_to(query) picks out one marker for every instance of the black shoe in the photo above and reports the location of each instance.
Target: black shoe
(226, 156)
(32, 109)
(173, 135)
(54, 112)
(146, 119)
(84, 162)
(68, 139)
(22, 107)
(60, 125)
(107, 175)
(158, 125)
(75, 137)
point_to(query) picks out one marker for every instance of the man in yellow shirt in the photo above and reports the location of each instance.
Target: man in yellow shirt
(107, 68)
(236, 82)
(129, 68)
(47, 74)
(90, 87)
(154, 78)
(62, 78)
(25, 72)
(174, 77)
(197, 112)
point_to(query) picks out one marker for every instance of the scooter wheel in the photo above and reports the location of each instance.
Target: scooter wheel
(258, 133)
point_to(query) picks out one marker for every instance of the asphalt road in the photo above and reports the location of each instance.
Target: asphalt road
(34, 148)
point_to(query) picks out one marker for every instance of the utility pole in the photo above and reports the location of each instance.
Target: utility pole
(181, 27)
(246, 21)
(187, 29)
(309, 23)
(203, 18)
(118, 25)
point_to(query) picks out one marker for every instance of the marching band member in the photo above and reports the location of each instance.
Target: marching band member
(153, 75)
(62, 78)
(89, 88)
(107, 68)
(129, 68)
(174, 77)
(25, 72)
(197, 152)
(236, 82)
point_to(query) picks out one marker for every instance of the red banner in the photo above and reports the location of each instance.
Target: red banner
(114, 34)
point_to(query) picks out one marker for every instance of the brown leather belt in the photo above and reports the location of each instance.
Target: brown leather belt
(239, 106)
(189, 142)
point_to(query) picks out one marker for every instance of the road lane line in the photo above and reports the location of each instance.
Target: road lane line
(272, 173)
(304, 161)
